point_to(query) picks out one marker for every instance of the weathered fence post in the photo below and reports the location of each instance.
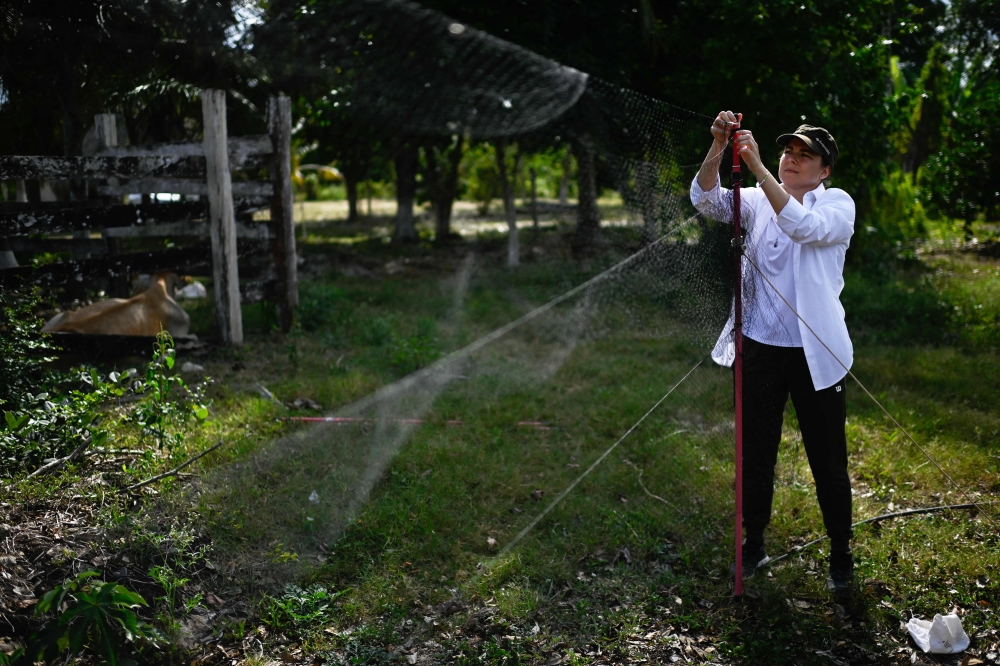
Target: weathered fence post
(106, 129)
(279, 126)
(222, 218)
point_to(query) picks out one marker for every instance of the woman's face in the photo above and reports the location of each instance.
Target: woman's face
(800, 167)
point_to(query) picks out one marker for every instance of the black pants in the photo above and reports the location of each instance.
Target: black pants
(770, 374)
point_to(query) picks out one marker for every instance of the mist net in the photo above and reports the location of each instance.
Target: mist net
(663, 281)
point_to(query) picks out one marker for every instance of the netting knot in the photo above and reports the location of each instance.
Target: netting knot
(739, 243)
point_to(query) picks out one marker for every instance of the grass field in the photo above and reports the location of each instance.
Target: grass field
(397, 557)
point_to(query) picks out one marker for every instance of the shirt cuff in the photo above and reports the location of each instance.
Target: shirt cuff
(698, 194)
(791, 216)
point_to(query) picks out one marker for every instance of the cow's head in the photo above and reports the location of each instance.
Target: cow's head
(170, 282)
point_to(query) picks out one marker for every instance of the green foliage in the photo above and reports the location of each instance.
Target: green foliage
(920, 113)
(406, 343)
(162, 404)
(97, 51)
(895, 223)
(172, 583)
(52, 423)
(50, 426)
(88, 614)
(298, 607)
(22, 348)
(479, 176)
(963, 180)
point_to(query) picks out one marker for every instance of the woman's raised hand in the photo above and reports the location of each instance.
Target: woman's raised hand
(749, 150)
(720, 126)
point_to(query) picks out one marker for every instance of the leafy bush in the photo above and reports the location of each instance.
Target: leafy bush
(84, 614)
(480, 176)
(50, 425)
(895, 222)
(158, 387)
(322, 307)
(299, 607)
(21, 347)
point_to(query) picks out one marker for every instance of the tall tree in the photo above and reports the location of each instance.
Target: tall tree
(407, 161)
(504, 163)
(588, 215)
(442, 158)
(335, 135)
(65, 61)
(928, 112)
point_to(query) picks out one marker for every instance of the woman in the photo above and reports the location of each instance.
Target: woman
(798, 233)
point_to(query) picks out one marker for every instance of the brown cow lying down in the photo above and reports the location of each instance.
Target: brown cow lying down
(146, 313)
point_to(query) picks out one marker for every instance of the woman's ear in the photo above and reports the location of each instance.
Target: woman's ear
(825, 173)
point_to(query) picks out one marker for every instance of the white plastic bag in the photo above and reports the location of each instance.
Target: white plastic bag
(192, 291)
(942, 636)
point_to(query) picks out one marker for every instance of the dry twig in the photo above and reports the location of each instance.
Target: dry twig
(60, 462)
(174, 471)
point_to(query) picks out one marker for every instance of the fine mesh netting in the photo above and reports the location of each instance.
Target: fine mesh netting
(667, 283)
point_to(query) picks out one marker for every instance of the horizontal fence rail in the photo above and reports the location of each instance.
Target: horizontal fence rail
(17, 219)
(35, 167)
(216, 230)
(184, 186)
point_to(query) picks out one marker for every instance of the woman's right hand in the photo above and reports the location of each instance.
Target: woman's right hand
(721, 129)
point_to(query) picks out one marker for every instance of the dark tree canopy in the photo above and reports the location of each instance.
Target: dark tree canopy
(61, 62)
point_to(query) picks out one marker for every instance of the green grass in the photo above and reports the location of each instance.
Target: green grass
(405, 515)
(419, 536)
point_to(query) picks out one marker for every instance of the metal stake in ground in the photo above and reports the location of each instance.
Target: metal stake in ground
(738, 361)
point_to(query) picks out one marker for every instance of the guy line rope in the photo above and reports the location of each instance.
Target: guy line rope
(867, 392)
(415, 378)
(527, 528)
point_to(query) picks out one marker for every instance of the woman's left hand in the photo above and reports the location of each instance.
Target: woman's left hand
(749, 150)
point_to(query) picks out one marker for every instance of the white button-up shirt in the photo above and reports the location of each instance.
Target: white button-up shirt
(817, 232)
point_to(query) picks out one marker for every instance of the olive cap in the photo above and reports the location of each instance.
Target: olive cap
(819, 140)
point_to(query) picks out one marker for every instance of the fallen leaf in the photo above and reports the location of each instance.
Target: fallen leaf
(802, 604)
(491, 543)
(537, 494)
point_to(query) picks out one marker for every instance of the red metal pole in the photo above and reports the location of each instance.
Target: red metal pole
(738, 361)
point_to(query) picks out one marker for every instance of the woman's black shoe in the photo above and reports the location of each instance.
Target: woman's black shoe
(841, 573)
(754, 557)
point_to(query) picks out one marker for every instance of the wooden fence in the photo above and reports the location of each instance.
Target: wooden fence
(261, 254)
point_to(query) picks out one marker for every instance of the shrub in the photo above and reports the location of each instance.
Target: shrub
(87, 614)
(22, 348)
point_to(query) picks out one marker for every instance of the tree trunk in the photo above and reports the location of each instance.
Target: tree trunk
(588, 217)
(513, 249)
(564, 181)
(518, 180)
(534, 201)
(351, 183)
(447, 191)
(406, 161)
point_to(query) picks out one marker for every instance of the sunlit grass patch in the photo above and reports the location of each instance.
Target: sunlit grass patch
(407, 518)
